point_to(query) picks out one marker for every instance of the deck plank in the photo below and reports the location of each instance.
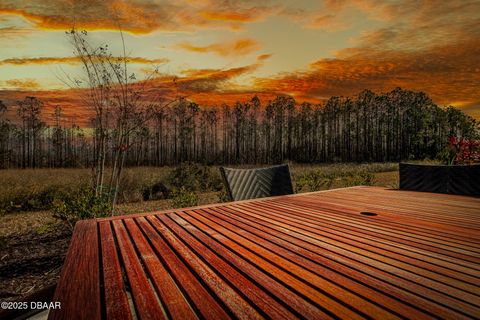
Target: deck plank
(170, 295)
(78, 289)
(116, 299)
(204, 303)
(147, 305)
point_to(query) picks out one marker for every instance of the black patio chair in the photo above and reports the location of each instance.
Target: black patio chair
(455, 179)
(243, 184)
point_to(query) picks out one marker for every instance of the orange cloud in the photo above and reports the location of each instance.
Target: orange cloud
(208, 80)
(237, 11)
(328, 22)
(327, 18)
(139, 17)
(447, 73)
(21, 84)
(216, 74)
(232, 48)
(420, 46)
(413, 25)
(472, 108)
(13, 32)
(43, 60)
(228, 16)
(100, 15)
(73, 60)
(264, 57)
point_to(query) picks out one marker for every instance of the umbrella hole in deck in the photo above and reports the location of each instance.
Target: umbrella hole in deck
(370, 214)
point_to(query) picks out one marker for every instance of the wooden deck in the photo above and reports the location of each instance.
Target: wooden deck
(313, 256)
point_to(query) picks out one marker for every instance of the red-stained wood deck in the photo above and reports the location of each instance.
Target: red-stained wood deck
(308, 256)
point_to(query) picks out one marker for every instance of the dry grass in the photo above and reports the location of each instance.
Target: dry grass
(159, 205)
(338, 168)
(387, 179)
(23, 222)
(34, 181)
(33, 189)
(30, 182)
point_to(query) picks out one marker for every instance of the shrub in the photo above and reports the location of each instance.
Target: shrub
(45, 228)
(155, 192)
(82, 205)
(222, 195)
(313, 181)
(460, 151)
(194, 177)
(360, 179)
(394, 185)
(342, 176)
(24, 199)
(182, 198)
(130, 189)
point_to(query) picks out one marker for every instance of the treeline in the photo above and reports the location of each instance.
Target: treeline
(398, 125)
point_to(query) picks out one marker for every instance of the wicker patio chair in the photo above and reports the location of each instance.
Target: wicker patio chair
(243, 184)
(454, 179)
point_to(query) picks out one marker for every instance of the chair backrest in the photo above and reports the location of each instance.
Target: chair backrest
(457, 179)
(243, 184)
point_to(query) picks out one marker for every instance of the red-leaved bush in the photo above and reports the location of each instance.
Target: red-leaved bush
(463, 151)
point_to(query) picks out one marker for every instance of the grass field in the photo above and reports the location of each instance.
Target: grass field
(25, 195)
(35, 189)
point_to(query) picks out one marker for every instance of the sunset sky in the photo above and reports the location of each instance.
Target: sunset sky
(230, 50)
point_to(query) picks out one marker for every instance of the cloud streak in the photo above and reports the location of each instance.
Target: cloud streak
(192, 82)
(75, 60)
(237, 47)
(21, 84)
(12, 32)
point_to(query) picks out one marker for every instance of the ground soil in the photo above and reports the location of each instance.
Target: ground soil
(32, 260)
